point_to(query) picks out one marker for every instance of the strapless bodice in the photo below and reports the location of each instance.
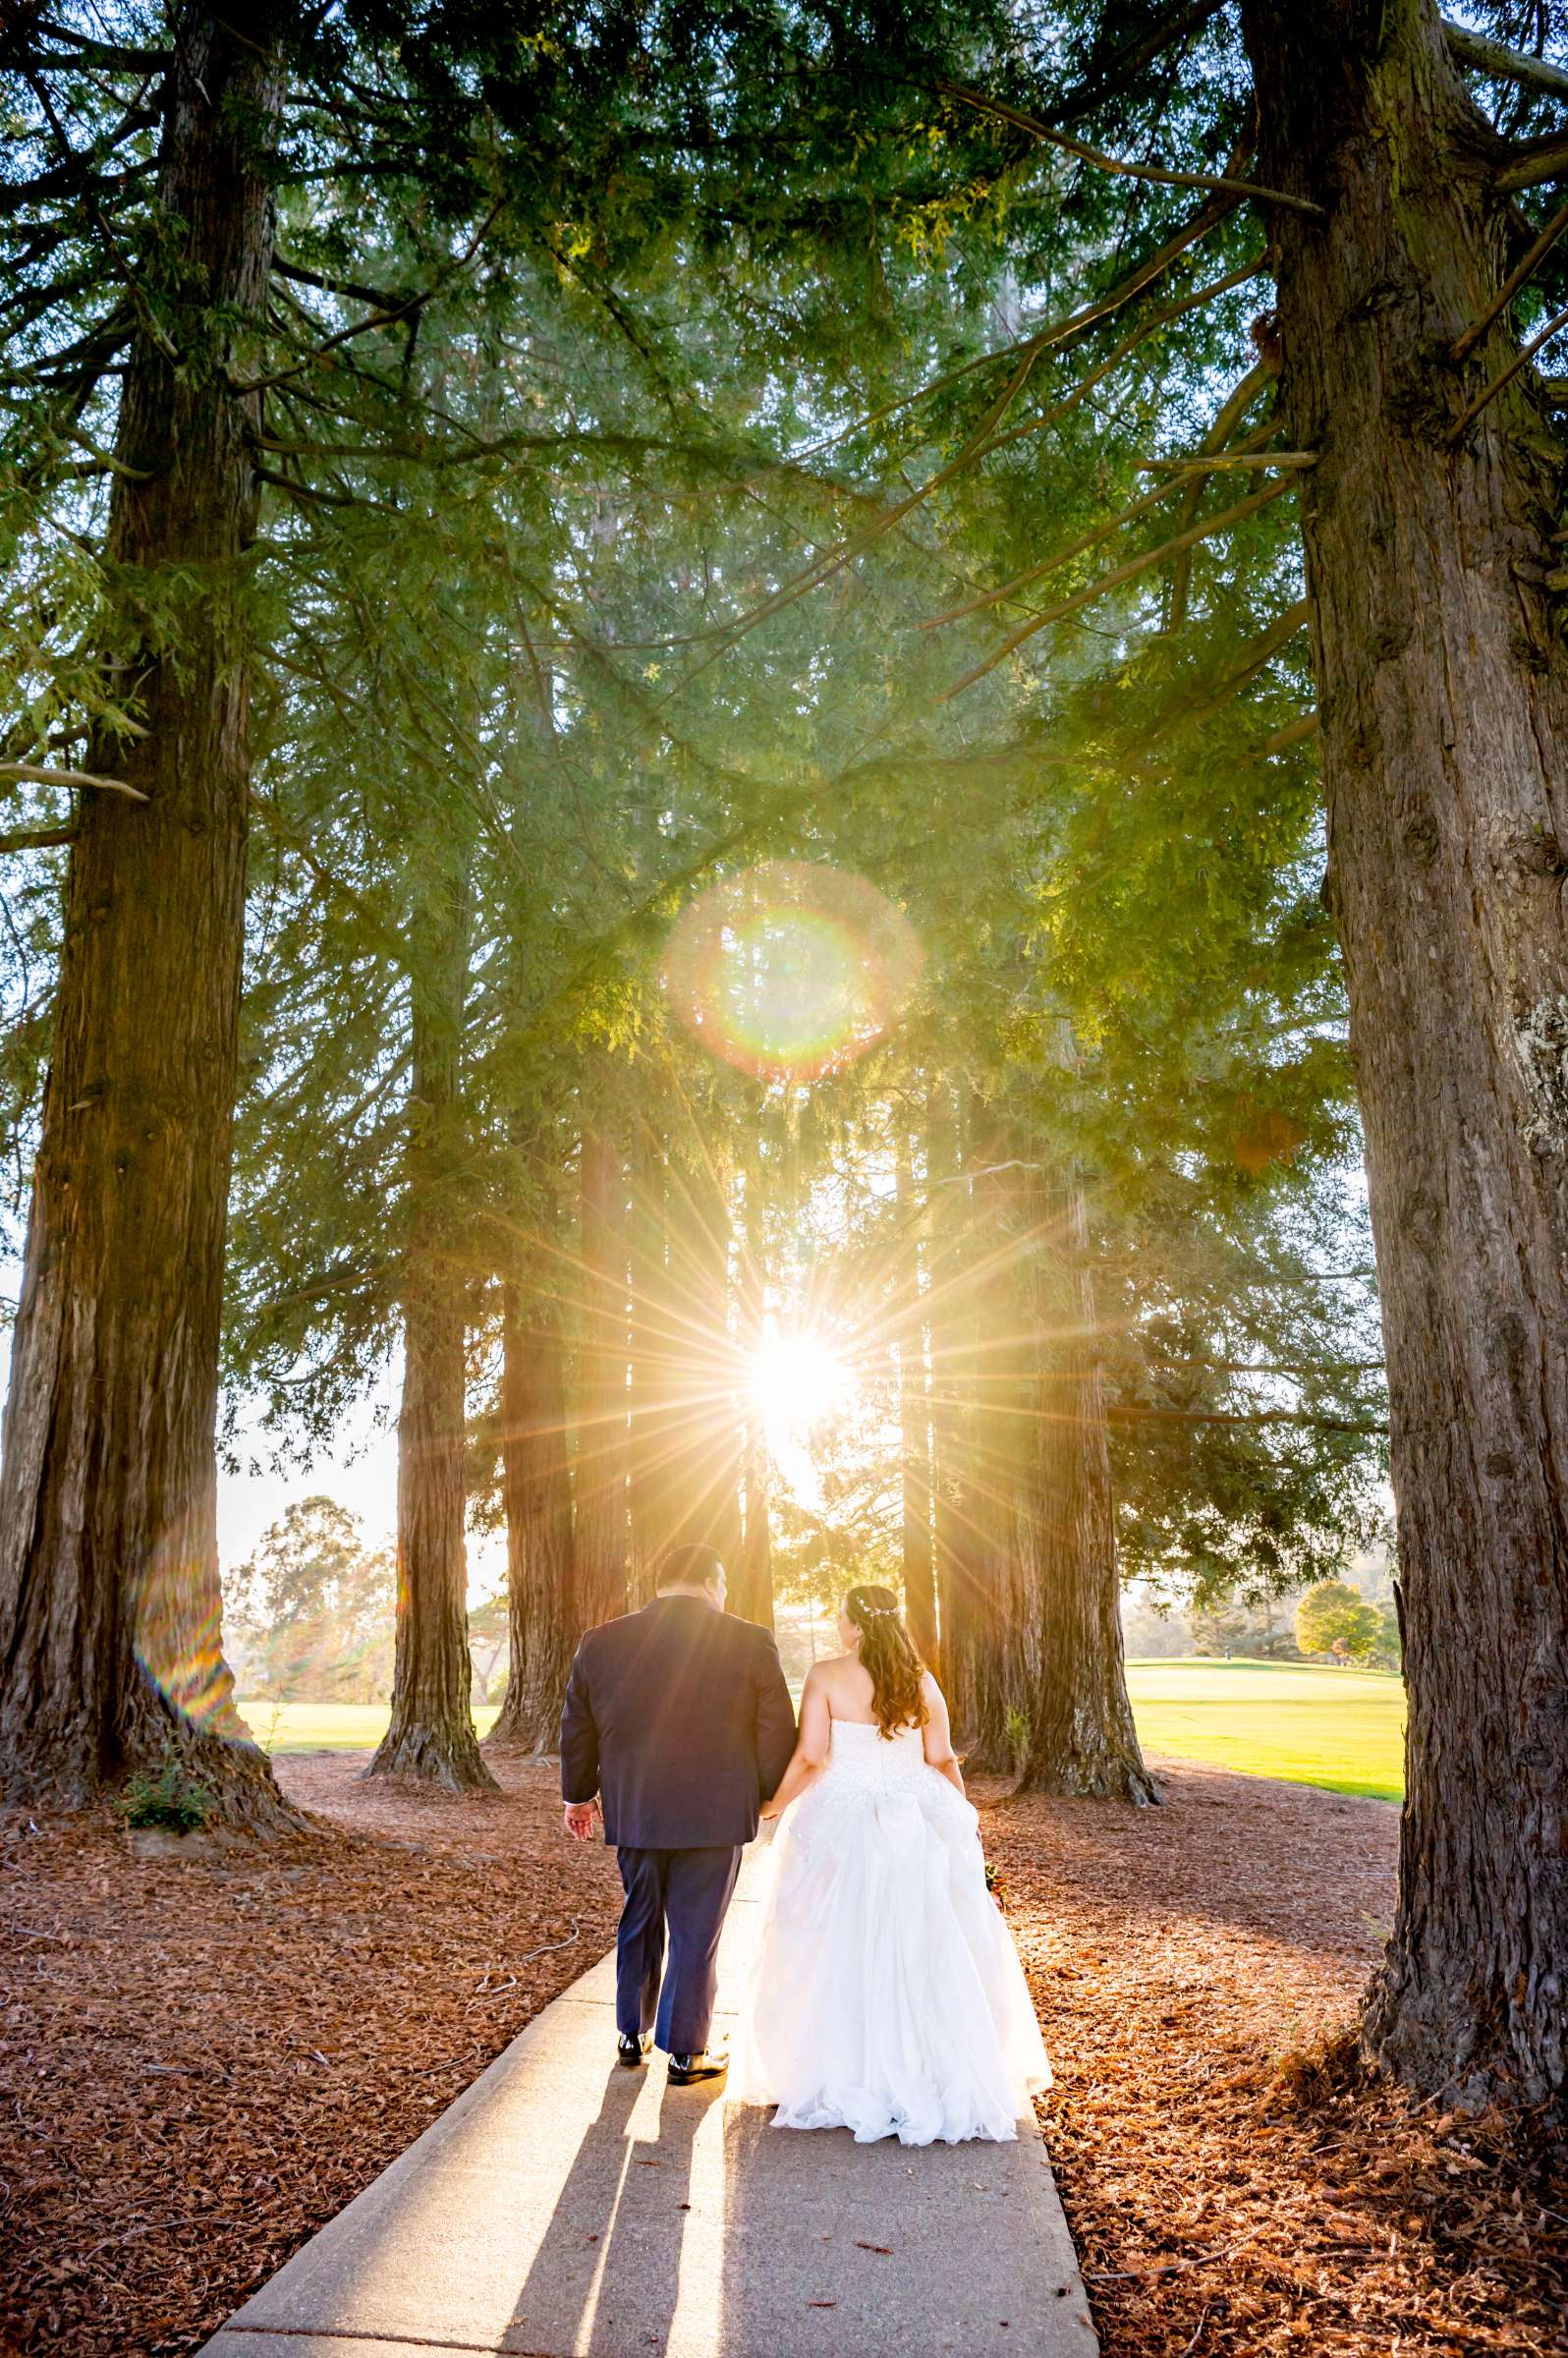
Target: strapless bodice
(862, 1756)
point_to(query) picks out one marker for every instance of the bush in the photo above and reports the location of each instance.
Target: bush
(172, 1799)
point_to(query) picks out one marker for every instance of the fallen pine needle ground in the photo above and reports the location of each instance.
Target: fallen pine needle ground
(202, 2063)
(1232, 2181)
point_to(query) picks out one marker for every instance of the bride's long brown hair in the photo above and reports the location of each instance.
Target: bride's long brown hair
(888, 1653)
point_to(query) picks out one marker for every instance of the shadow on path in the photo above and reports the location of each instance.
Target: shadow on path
(611, 2252)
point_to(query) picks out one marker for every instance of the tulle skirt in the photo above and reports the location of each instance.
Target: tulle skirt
(888, 1998)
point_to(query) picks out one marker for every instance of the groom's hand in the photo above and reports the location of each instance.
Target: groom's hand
(580, 1817)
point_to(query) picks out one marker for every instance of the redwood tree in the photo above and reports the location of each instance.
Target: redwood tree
(915, 1436)
(1081, 1738)
(109, 1608)
(1428, 524)
(431, 1734)
(603, 1348)
(537, 1493)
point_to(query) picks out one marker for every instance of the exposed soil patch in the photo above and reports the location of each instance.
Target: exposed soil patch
(1232, 2183)
(202, 2062)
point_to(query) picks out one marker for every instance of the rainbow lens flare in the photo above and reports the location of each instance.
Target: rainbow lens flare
(792, 970)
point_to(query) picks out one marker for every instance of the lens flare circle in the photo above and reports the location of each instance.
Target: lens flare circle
(792, 970)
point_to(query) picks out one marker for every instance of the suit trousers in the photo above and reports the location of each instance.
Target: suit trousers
(690, 1891)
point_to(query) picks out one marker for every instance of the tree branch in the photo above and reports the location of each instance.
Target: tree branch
(1504, 376)
(1502, 64)
(1538, 160)
(31, 774)
(1117, 164)
(302, 277)
(1511, 285)
(381, 317)
(1230, 457)
(1114, 578)
(1061, 331)
(1127, 64)
(1259, 1416)
(37, 839)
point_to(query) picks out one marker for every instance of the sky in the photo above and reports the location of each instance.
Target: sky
(360, 1471)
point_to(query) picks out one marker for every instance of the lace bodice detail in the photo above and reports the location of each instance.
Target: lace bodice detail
(865, 1757)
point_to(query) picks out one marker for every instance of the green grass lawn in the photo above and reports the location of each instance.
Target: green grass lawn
(1340, 1728)
(326, 1727)
(1308, 1724)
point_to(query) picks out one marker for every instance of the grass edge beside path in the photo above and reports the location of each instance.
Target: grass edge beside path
(1302, 1722)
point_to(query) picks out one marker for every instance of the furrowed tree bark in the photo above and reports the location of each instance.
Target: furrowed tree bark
(431, 1735)
(702, 1455)
(110, 1652)
(949, 1309)
(603, 1345)
(716, 1518)
(998, 1604)
(752, 1599)
(1444, 693)
(536, 1487)
(1082, 1740)
(915, 1432)
(647, 1438)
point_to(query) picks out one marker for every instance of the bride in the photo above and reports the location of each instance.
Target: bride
(888, 1997)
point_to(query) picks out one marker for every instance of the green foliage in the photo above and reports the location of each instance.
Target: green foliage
(309, 1614)
(665, 409)
(1331, 1619)
(1263, 1632)
(171, 1799)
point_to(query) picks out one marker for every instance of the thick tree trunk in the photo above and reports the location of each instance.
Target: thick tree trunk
(753, 1587)
(603, 1347)
(913, 1429)
(950, 1310)
(716, 1518)
(109, 1603)
(536, 1487)
(1003, 1607)
(431, 1735)
(702, 1457)
(1082, 1740)
(752, 1599)
(656, 1360)
(1444, 693)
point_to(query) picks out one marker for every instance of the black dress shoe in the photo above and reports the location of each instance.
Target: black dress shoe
(632, 2052)
(684, 2069)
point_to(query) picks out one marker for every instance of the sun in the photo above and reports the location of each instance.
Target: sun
(797, 1380)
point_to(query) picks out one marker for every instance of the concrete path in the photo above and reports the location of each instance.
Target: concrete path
(563, 2208)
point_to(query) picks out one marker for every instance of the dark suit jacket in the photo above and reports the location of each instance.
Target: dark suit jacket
(679, 1719)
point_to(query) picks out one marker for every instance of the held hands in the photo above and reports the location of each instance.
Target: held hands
(580, 1817)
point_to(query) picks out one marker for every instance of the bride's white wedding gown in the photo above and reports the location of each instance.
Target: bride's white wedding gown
(887, 1998)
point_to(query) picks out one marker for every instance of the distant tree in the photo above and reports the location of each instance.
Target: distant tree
(1152, 1630)
(316, 1607)
(1332, 1619)
(1260, 1628)
(487, 1639)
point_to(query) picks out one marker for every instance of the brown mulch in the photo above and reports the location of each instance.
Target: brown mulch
(1232, 2181)
(201, 2063)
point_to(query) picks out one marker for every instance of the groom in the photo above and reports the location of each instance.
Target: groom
(678, 1717)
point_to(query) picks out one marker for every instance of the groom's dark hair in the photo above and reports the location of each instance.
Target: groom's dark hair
(690, 1568)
